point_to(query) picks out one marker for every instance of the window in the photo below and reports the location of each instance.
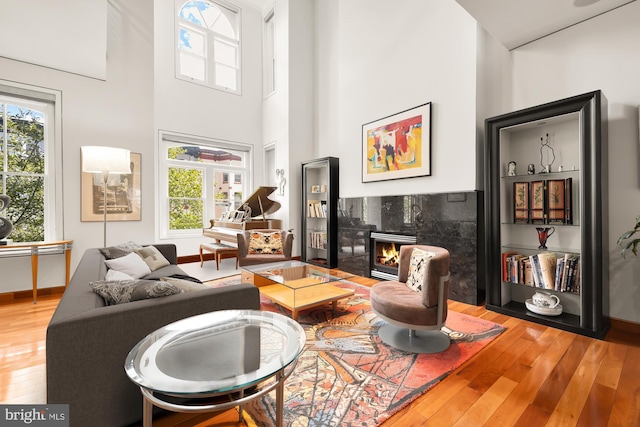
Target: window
(27, 164)
(202, 179)
(269, 53)
(208, 43)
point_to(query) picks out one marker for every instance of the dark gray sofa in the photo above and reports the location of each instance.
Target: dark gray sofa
(88, 341)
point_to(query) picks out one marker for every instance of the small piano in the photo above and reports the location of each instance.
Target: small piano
(259, 203)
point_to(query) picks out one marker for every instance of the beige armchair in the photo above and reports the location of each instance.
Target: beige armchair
(264, 246)
(415, 306)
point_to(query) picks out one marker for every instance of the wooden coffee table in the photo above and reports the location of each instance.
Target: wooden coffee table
(296, 285)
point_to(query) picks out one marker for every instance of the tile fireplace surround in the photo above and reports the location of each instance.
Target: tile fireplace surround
(453, 221)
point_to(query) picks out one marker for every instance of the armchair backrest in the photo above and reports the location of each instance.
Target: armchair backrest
(436, 275)
(244, 237)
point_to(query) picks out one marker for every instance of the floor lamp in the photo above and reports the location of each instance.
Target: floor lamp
(105, 160)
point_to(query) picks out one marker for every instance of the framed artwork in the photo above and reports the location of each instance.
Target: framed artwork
(537, 202)
(556, 213)
(521, 202)
(122, 194)
(397, 146)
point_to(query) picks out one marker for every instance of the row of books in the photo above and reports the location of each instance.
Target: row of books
(547, 270)
(317, 208)
(318, 239)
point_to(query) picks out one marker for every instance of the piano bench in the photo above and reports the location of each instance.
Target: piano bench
(220, 251)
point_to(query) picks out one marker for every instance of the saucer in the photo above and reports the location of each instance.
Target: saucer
(556, 311)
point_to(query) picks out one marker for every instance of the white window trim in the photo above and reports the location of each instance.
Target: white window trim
(269, 70)
(209, 39)
(51, 101)
(163, 184)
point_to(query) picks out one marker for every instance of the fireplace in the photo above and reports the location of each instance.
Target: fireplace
(385, 253)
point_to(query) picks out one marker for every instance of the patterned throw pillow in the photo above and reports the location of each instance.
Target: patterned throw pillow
(265, 243)
(120, 250)
(152, 257)
(123, 291)
(417, 269)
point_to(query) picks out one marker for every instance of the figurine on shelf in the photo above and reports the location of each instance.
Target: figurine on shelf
(531, 169)
(546, 151)
(511, 168)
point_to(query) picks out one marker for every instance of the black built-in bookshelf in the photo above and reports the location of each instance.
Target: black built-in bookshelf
(565, 201)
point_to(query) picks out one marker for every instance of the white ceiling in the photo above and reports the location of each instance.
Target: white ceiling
(517, 22)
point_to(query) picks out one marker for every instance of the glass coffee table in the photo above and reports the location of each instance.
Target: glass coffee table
(297, 285)
(215, 361)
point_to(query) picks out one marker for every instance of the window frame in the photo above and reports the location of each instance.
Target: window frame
(48, 101)
(168, 138)
(269, 57)
(211, 37)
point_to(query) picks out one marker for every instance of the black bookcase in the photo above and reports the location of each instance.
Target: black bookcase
(570, 134)
(320, 212)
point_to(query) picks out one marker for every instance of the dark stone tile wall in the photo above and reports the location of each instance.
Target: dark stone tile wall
(450, 220)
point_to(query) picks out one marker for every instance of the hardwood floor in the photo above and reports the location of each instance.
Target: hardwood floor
(530, 375)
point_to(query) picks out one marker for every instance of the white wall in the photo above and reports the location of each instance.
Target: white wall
(392, 57)
(598, 54)
(117, 112)
(192, 109)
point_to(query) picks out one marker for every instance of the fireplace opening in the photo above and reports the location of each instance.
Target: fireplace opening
(385, 253)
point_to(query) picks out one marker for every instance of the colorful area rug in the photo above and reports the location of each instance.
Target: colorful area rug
(346, 376)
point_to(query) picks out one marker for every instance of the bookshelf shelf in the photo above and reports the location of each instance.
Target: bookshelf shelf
(570, 200)
(320, 212)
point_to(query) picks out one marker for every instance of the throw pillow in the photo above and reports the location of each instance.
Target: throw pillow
(418, 269)
(120, 250)
(130, 264)
(152, 257)
(123, 291)
(265, 243)
(117, 275)
(185, 285)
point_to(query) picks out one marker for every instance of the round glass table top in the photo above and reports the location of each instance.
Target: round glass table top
(215, 352)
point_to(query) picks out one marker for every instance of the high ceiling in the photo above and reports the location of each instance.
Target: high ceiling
(517, 22)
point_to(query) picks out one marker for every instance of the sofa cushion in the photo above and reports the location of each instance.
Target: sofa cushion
(265, 243)
(120, 250)
(185, 285)
(124, 291)
(417, 269)
(152, 257)
(117, 275)
(130, 264)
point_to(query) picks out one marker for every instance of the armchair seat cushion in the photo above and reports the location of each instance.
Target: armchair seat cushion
(396, 301)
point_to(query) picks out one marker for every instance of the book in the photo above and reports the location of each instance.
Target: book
(528, 274)
(505, 269)
(559, 273)
(548, 265)
(535, 271)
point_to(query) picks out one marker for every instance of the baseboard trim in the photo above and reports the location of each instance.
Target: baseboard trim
(9, 297)
(625, 326)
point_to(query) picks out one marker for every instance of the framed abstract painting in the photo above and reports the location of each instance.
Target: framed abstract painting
(397, 146)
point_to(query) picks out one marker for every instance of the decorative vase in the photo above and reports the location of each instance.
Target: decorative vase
(543, 235)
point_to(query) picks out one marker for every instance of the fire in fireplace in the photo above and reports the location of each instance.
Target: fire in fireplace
(385, 253)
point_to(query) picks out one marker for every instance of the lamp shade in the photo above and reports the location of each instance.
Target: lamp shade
(97, 159)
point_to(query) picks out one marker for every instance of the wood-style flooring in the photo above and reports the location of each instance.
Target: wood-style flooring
(531, 375)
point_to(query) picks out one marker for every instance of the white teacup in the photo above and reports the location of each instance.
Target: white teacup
(545, 299)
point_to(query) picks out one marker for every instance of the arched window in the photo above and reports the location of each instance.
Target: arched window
(208, 43)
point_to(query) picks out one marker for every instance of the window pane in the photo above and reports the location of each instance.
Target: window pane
(226, 76)
(208, 155)
(192, 66)
(228, 193)
(191, 13)
(185, 183)
(185, 214)
(192, 41)
(224, 53)
(225, 27)
(25, 145)
(210, 13)
(26, 209)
